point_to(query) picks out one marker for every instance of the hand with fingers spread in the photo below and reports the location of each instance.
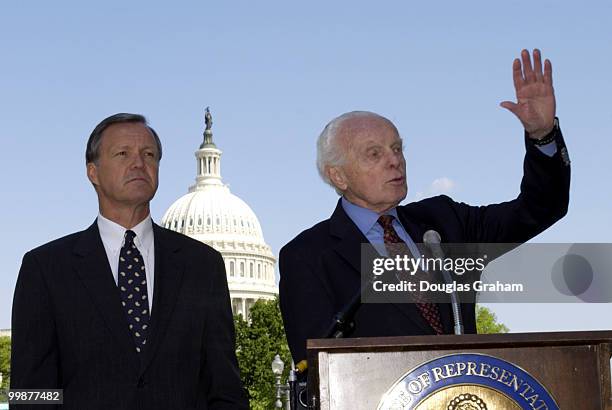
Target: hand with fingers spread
(535, 106)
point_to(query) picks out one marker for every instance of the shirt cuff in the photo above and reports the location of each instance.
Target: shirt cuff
(549, 149)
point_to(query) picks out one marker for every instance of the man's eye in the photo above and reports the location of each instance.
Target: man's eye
(150, 154)
(374, 154)
(121, 153)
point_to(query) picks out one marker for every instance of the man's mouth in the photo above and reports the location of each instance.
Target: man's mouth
(398, 180)
(137, 179)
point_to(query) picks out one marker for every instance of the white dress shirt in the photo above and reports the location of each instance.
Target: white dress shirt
(113, 236)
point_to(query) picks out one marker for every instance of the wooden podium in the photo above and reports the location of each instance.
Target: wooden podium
(449, 372)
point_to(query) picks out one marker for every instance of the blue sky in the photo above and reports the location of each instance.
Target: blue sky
(274, 73)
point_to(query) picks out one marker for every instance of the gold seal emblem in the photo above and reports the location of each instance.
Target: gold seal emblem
(467, 402)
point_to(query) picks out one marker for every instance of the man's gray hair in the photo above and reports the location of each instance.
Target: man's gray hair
(92, 152)
(329, 152)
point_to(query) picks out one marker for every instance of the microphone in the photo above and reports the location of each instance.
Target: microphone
(343, 320)
(432, 240)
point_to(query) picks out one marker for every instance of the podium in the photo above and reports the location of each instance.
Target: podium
(537, 371)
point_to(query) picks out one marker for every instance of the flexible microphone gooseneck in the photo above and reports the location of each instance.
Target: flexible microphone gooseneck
(432, 240)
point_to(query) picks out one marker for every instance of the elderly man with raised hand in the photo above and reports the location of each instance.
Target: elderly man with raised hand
(360, 154)
(125, 314)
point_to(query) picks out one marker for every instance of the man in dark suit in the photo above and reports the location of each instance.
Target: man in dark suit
(125, 314)
(360, 155)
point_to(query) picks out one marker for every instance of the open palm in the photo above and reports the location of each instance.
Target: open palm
(535, 106)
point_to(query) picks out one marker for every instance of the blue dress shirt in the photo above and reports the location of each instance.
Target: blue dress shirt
(367, 222)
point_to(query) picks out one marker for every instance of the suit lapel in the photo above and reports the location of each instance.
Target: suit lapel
(168, 278)
(92, 268)
(350, 238)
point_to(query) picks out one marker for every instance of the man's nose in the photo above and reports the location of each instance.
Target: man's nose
(395, 158)
(138, 161)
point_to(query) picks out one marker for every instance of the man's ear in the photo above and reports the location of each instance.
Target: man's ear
(92, 173)
(337, 177)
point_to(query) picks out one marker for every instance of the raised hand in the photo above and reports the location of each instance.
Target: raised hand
(535, 106)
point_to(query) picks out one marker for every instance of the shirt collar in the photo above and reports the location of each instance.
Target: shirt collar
(113, 234)
(364, 218)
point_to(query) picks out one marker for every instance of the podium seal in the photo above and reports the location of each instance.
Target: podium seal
(467, 382)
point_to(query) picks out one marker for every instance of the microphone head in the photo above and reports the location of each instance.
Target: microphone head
(431, 237)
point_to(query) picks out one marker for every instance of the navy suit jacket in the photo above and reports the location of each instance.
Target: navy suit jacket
(69, 330)
(320, 268)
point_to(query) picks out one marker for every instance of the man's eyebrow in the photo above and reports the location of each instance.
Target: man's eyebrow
(124, 146)
(372, 143)
(116, 147)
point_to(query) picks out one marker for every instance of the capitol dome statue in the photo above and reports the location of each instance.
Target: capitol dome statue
(210, 213)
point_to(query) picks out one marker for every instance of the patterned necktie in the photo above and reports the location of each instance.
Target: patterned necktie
(132, 282)
(396, 246)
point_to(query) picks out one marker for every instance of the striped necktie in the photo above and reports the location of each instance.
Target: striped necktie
(395, 246)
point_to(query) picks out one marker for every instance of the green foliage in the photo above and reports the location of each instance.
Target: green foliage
(5, 366)
(258, 340)
(486, 321)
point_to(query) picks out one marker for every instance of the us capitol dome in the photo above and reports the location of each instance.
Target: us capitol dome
(210, 213)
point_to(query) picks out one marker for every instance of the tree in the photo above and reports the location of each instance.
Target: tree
(258, 340)
(486, 321)
(5, 366)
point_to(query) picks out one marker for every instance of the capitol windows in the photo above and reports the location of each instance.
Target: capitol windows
(242, 269)
(251, 269)
(199, 220)
(231, 268)
(258, 271)
(190, 221)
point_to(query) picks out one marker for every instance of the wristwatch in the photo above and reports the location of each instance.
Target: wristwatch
(550, 137)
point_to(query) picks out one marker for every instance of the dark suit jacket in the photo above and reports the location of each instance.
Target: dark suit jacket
(69, 330)
(320, 268)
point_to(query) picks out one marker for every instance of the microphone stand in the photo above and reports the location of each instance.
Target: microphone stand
(343, 320)
(431, 239)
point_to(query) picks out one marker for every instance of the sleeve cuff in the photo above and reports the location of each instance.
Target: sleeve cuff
(549, 149)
